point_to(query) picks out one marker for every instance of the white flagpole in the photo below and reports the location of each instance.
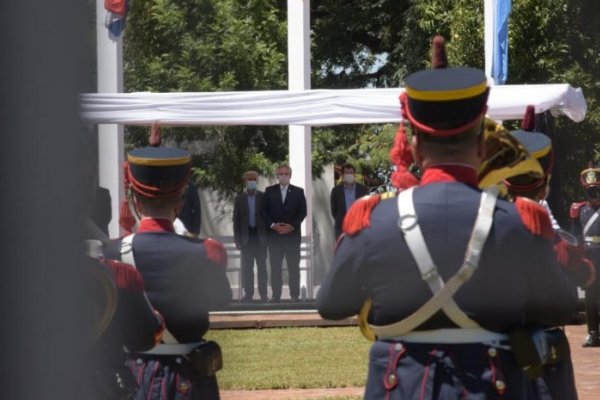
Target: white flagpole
(489, 19)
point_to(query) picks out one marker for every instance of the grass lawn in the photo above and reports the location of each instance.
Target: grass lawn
(292, 358)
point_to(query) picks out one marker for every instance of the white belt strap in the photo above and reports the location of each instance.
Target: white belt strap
(454, 336)
(443, 294)
(127, 250)
(590, 222)
(128, 257)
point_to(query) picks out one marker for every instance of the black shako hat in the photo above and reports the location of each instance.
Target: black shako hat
(158, 172)
(538, 145)
(446, 101)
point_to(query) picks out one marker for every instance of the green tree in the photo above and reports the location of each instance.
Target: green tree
(550, 41)
(202, 45)
(208, 45)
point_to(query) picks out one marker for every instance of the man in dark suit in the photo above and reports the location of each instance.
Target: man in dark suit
(343, 196)
(250, 234)
(284, 211)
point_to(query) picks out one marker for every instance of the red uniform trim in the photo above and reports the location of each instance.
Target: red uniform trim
(450, 173)
(216, 252)
(535, 217)
(156, 225)
(575, 209)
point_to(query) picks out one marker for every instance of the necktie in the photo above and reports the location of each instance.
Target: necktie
(283, 193)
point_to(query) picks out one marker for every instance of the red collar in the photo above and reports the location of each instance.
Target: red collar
(450, 173)
(149, 224)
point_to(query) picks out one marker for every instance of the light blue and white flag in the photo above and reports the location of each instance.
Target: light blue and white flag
(502, 10)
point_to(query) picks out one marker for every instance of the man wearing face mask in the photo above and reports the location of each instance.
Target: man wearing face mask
(284, 211)
(250, 235)
(343, 196)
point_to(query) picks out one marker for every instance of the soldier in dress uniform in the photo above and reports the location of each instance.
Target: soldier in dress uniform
(184, 278)
(442, 273)
(569, 250)
(125, 320)
(558, 381)
(586, 226)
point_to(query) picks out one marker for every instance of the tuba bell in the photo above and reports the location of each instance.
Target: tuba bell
(505, 157)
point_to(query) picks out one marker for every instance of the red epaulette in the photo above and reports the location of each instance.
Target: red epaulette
(535, 217)
(126, 276)
(576, 209)
(216, 252)
(359, 215)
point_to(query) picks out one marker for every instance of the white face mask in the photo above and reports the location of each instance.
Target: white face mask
(349, 178)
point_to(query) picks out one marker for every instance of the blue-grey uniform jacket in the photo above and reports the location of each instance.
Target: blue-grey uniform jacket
(518, 282)
(184, 279)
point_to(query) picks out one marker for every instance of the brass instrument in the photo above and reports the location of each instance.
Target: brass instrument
(107, 303)
(505, 157)
(103, 289)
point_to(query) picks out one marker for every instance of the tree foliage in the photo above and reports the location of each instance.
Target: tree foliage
(208, 45)
(550, 41)
(202, 45)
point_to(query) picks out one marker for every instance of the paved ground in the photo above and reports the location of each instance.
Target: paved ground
(587, 364)
(586, 361)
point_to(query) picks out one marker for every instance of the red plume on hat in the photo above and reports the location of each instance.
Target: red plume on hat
(401, 154)
(439, 58)
(528, 122)
(127, 219)
(155, 139)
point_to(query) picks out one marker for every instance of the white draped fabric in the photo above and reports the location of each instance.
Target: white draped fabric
(308, 107)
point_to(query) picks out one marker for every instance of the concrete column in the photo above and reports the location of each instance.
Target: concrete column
(110, 137)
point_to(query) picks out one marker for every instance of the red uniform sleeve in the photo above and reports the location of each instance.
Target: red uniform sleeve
(575, 209)
(573, 260)
(216, 252)
(127, 277)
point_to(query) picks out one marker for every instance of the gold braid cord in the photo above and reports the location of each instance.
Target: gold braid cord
(363, 321)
